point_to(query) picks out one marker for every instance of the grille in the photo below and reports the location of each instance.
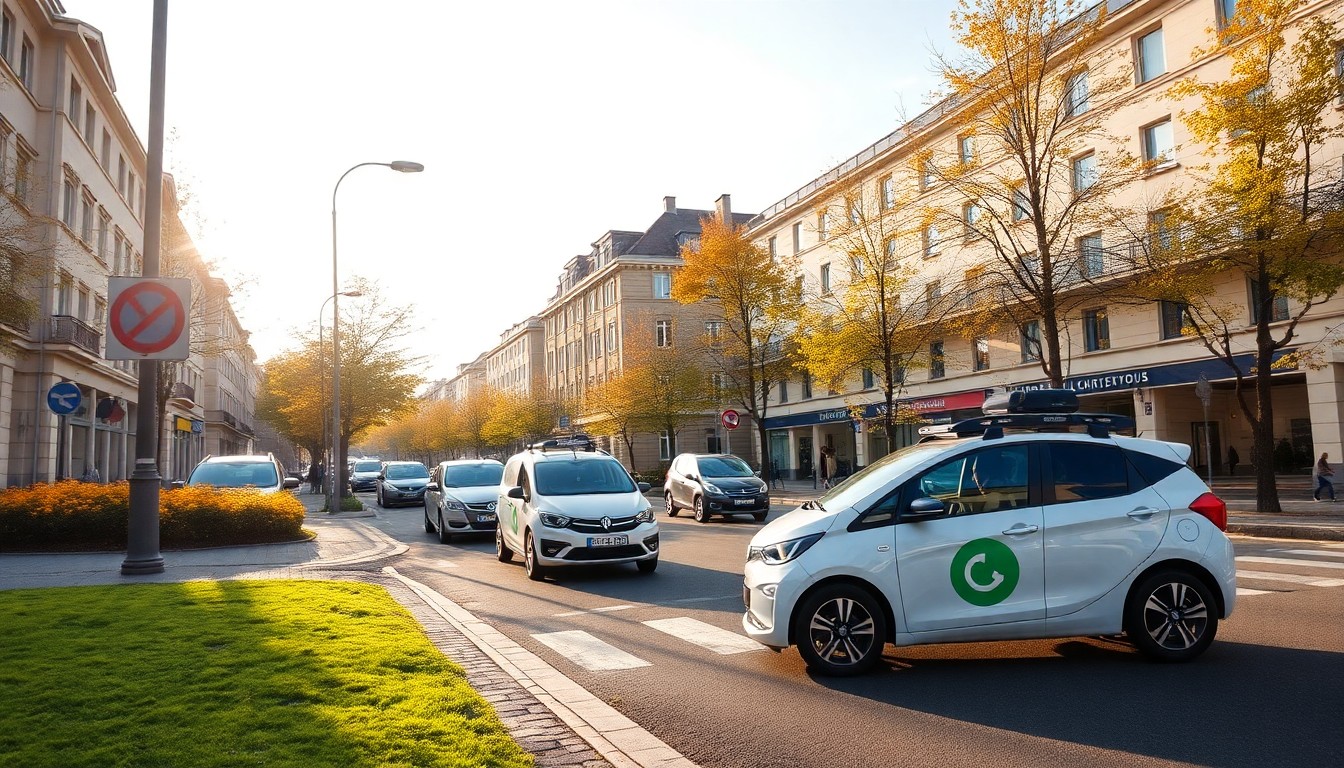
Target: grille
(605, 553)
(595, 526)
(485, 506)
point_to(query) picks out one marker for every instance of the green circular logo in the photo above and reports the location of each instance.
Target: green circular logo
(984, 572)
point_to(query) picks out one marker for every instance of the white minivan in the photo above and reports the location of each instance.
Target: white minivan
(563, 503)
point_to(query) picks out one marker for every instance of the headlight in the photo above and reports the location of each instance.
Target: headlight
(784, 551)
(455, 505)
(552, 520)
(644, 517)
(712, 488)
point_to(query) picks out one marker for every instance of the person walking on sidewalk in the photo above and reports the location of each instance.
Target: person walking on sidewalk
(1322, 472)
(316, 473)
(1233, 459)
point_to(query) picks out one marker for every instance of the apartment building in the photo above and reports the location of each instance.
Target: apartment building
(517, 362)
(71, 216)
(1120, 356)
(620, 293)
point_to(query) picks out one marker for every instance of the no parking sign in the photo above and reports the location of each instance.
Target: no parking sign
(147, 318)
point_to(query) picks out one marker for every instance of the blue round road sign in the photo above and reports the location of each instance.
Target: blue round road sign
(64, 397)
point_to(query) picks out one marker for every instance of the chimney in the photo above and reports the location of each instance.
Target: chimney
(670, 204)
(725, 207)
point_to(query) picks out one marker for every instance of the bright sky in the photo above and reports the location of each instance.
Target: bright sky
(541, 125)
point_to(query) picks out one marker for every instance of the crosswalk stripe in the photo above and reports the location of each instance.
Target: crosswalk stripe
(720, 641)
(588, 652)
(1311, 581)
(1313, 552)
(1241, 591)
(1289, 561)
(603, 609)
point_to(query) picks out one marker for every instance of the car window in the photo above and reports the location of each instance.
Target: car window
(723, 466)
(988, 480)
(235, 475)
(879, 474)
(405, 471)
(1152, 468)
(511, 472)
(472, 475)
(525, 481)
(568, 477)
(1086, 472)
(367, 466)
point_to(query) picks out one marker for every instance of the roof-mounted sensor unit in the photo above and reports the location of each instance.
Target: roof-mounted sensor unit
(1031, 401)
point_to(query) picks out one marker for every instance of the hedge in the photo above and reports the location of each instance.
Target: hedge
(71, 515)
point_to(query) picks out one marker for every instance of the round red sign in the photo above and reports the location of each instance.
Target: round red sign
(730, 419)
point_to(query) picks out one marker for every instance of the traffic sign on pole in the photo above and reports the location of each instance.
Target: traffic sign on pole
(731, 419)
(64, 397)
(147, 318)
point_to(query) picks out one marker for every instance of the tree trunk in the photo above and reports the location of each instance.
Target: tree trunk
(767, 469)
(1050, 338)
(1266, 488)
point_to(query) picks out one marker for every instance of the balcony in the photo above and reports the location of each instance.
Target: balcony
(65, 329)
(231, 421)
(183, 391)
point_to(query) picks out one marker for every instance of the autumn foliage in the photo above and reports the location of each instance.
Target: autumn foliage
(71, 515)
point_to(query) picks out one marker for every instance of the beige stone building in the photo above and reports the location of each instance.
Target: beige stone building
(1119, 356)
(517, 363)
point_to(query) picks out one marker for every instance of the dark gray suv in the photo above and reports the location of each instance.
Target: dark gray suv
(714, 484)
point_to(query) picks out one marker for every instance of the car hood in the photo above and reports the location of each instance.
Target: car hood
(477, 494)
(371, 473)
(792, 525)
(737, 483)
(594, 506)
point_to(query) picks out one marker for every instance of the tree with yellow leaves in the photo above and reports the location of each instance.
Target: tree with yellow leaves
(759, 300)
(1263, 207)
(869, 319)
(1032, 166)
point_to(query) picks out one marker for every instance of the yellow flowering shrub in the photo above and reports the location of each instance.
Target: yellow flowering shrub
(70, 515)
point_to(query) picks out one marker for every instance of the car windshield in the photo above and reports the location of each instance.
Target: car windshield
(223, 474)
(723, 466)
(879, 474)
(405, 471)
(367, 466)
(571, 477)
(472, 475)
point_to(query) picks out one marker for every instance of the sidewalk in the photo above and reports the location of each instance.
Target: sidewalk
(1302, 517)
(561, 724)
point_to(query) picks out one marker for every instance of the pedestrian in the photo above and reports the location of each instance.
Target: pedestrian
(1232, 460)
(827, 467)
(1322, 472)
(91, 474)
(315, 474)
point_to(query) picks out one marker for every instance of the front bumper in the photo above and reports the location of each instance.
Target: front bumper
(733, 504)
(769, 593)
(399, 496)
(469, 519)
(558, 546)
(363, 484)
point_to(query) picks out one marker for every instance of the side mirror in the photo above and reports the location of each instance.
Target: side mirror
(291, 482)
(179, 484)
(643, 487)
(516, 492)
(924, 508)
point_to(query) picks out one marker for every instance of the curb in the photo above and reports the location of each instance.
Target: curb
(1286, 531)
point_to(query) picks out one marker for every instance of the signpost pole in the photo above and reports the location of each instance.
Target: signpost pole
(142, 545)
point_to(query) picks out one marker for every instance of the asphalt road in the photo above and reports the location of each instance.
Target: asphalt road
(1269, 692)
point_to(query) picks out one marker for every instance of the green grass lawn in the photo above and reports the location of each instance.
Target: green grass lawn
(233, 673)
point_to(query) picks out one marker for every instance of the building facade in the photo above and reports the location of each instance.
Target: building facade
(517, 363)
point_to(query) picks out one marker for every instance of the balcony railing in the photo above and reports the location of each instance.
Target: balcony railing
(183, 391)
(65, 329)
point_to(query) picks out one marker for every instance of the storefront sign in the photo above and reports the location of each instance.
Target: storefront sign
(1156, 376)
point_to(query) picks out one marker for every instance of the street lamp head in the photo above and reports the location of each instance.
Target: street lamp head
(352, 294)
(406, 166)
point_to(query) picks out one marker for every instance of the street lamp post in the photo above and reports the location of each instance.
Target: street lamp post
(338, 462)
(322, 372)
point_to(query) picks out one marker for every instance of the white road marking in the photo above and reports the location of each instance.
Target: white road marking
(737, 595)
(1289, 561)
(720, 641)
(604, 609)
(589, 652)
(1312, 552)
(1311, 581)
(1242, 591)
(445, 564)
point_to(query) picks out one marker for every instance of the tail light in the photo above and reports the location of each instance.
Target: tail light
(1213, 508)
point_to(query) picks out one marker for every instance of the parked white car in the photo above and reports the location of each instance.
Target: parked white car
(562, 503)
(1007, 528)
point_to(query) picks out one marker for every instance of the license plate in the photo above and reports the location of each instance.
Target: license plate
(608, 541)
(744, 502)
(485, 518)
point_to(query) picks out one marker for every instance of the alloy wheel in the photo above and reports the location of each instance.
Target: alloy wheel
(1175, 616)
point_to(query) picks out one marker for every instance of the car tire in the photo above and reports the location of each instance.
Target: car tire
(1171, 616)
(647, 566)
(429, 524)
(444, 536)
(502, 551)
(535, 570)
(701, 514)
(759, 516)
(841, 630)
(671, 505)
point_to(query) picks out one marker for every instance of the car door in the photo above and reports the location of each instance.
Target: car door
(981, 561)
(432, 488)
(1102, 520)
(682, 467)
(509, 510)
